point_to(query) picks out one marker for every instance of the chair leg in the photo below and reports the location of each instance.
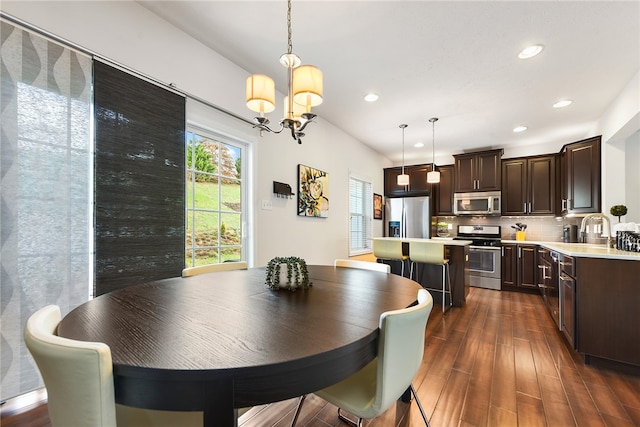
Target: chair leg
(446, 278)
(449, 282)
(444, 288)
(424, 416)
(411, 271)
(349, 420)
(298, 408)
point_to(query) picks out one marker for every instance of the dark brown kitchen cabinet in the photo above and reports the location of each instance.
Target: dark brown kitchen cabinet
(479, 171)
(527, 266)
(580, 186)
(519, 266)
(444, 191)
(418, 185)
(509, 266)
(567, 299)
(548, 282)
(529, 186)
(607, 319)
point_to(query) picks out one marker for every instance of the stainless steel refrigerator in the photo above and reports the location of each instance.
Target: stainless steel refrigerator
(407, 217)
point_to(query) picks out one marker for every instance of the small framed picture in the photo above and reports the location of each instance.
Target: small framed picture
(377, 206)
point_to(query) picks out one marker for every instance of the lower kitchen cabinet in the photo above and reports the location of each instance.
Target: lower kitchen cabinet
(567, 288)
(519, 266)
(607, 318)
(509, 266)
(548, 283)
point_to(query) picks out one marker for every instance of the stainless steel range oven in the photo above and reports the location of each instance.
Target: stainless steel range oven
(485, 256)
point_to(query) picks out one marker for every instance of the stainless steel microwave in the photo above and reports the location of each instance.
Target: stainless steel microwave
(481, 203)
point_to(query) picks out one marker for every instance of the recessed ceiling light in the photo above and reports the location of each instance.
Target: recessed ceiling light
(562, 103)
(418, 145)
(519, 128)
(371, 97)
(531, 51)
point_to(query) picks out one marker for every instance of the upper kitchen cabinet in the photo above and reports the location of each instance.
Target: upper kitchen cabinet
(529, 186)
(580, 177)
(479, 171)
(417, 181)
(444, 191)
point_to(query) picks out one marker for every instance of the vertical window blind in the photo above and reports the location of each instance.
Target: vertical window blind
(361, 212)
(45, 187)
(139, 180)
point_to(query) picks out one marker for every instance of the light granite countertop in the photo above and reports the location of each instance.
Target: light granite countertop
(586, 250)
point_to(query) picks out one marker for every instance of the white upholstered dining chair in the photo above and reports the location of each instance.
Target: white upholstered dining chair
(211, 268)
(78, 376)
(364, 265)
(372, 390)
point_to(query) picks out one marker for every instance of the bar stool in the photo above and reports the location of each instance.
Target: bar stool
(389, 249)
(432, 253)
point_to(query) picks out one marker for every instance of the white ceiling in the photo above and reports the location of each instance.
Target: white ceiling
(454, 60)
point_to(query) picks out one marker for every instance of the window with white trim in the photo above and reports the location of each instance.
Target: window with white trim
(216, 200)
(361, 215)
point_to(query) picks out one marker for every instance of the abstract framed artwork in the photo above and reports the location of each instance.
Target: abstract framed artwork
(313, 192)
(377, 206)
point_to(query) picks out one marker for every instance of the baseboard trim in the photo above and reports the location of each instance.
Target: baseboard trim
(23, 402)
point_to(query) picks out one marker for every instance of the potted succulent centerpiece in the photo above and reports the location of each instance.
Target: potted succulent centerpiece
(287, 273)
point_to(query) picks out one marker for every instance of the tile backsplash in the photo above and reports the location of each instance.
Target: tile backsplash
(539, 228)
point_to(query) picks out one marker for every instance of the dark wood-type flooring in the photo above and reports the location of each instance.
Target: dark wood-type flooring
(497, 361)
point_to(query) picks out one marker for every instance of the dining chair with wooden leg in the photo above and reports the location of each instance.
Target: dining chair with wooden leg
(372, 390)
(78, 376)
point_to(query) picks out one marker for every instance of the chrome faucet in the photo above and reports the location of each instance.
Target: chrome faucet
(606, 231)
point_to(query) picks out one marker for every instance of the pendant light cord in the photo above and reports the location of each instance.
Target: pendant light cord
(433, 145)
(289, 42)
(433, 121)
(403, 127)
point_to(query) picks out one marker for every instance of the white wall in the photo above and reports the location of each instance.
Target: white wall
(632, 181)
(130, 35)
(619, 126)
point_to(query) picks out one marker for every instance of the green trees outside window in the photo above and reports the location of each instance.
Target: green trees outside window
(214, 201)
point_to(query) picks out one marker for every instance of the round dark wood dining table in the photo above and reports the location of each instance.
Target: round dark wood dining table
(219, 341)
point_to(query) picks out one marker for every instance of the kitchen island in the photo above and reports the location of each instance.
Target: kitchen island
(599, 300)
(457, 251)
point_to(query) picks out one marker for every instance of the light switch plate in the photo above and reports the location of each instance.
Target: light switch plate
(267, 205)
